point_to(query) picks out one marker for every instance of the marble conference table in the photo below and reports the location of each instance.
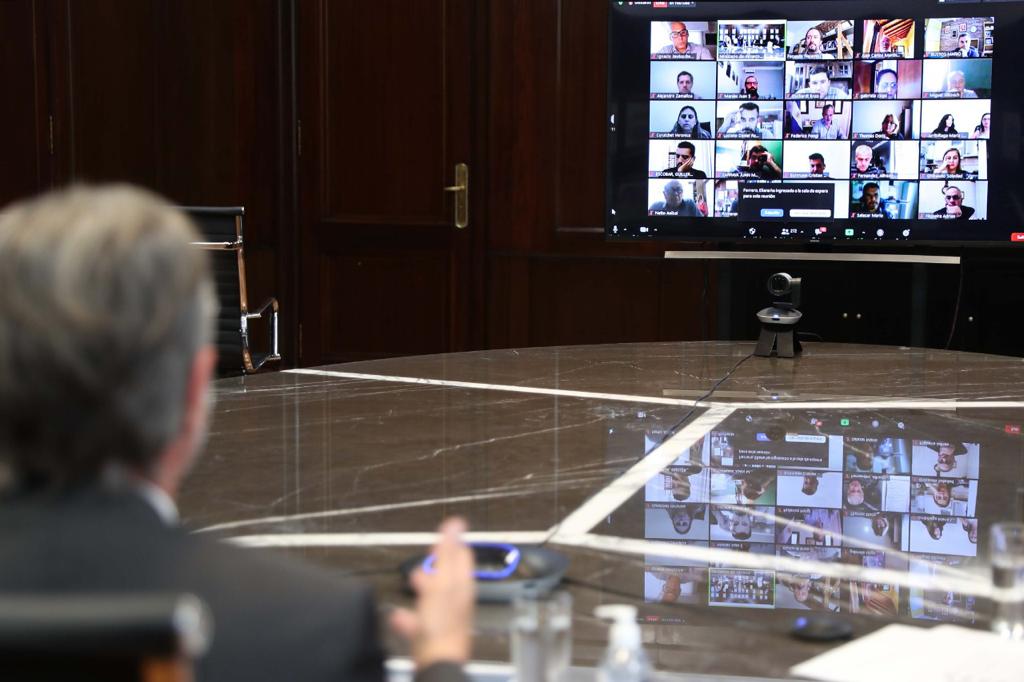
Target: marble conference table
(722, 494)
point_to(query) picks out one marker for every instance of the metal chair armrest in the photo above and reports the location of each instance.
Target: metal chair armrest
(218, 246)
(274, 353)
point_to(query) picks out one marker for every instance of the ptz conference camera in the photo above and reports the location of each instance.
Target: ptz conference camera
(778, 322)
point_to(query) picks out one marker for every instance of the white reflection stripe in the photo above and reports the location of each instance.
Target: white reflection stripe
(891, 404)
(621, 489)
(510, 388)
(534, 537)
(879, 404)
(968, 583)
(372, 509)
(474, 669)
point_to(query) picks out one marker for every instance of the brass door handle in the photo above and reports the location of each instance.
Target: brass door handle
(461, 189)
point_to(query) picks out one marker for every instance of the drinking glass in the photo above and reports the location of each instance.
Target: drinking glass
(1007, 551)
(541, 636)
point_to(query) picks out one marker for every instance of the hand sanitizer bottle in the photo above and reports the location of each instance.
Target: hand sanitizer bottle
(624, 660)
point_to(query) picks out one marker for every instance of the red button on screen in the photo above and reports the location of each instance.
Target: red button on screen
(1017, 237)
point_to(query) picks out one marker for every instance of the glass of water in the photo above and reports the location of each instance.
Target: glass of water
(541, 637)
(1007, 550)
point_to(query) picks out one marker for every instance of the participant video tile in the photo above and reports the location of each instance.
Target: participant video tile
(755, 39)
(691, 120)
(690, 159)
(968, 37)
(887, 39)
(819, 80)
(819, 40)
(750, 79)
(883, 159)
(897, 119)
(954, 160)
(671, 80)
(749, 120)
(955, 119)
(683, 41)
(887, 79)
(816, 160)
(957, 79)
(953, 200)
(817, 120)
(883, 199)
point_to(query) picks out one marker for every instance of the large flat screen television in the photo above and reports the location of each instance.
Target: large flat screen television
(823, 120)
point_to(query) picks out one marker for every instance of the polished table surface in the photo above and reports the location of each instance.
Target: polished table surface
(723, 494)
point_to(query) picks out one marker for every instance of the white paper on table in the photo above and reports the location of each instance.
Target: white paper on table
(898, 653)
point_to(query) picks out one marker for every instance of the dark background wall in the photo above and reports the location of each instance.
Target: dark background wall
(336, 124)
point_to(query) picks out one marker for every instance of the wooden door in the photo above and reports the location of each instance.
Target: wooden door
(386, 110)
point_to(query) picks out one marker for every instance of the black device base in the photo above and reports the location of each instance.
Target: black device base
(540, 570)
(778, 333)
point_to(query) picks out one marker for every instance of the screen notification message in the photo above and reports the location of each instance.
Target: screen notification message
(810, 201)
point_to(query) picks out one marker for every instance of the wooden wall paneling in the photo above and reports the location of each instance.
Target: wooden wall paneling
(586, 300)
(113, 91)
(582, 131)
(183, 97)
(522, 124)
(688, 292)
(24, 107)
(554, 278)
(508, 300)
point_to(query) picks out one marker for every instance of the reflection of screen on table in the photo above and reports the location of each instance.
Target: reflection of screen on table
(864, 494)
(843, 100)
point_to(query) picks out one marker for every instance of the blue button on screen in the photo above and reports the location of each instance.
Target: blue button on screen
(771, 212)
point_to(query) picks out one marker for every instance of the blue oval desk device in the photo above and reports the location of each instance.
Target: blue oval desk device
(494, 560)
(503, 571)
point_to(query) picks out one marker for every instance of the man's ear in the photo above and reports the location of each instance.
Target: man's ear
(174, 462)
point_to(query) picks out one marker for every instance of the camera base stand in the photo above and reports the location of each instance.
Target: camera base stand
(778, 333)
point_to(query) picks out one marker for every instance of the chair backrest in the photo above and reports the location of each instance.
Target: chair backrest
(148, 638)
(222, 229)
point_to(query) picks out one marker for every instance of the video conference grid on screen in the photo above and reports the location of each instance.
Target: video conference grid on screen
(871, 498)
(743, 114)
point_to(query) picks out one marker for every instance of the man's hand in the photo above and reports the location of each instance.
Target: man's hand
(685, 165)
(954, 210)
(729, 124)
(440, 629)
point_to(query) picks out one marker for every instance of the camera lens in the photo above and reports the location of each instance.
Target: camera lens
(778, 284)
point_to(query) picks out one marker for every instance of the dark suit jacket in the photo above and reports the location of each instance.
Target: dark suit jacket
(274, 619)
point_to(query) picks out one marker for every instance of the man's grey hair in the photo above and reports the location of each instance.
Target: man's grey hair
(103, 307)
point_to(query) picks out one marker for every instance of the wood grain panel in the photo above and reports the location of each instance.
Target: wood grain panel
(23, 110)
(583, 77)
(377, 307)
(384, 101)
(522, 124)
(114, 94)
(593, 301)
(688, 293)
(508, 301)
